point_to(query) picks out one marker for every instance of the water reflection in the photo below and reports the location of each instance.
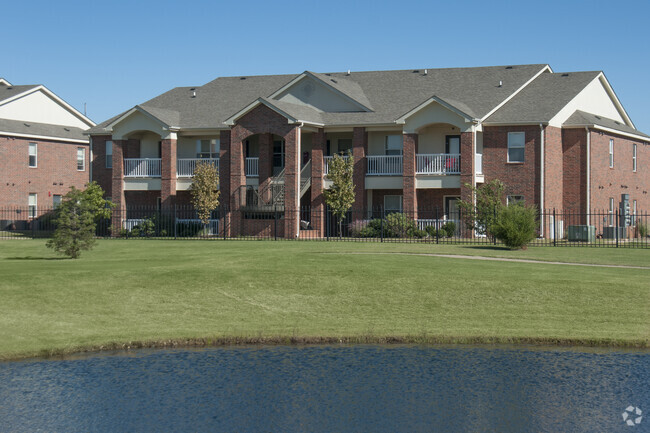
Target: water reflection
(349, 388)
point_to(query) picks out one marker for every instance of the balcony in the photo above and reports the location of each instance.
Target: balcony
(326, 163)
(185, 166)
(252, 167)
(384, 165)
(438, 163)
(142, 167)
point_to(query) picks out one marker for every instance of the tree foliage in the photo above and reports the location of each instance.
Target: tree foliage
(482, 216)
(204, 190)
(340, 196)
(516, 225)
(76, 219)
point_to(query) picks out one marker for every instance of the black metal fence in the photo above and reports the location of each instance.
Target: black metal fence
(434, 225)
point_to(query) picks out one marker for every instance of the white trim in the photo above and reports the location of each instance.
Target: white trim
(42, 137)
(512, 95)
(328, 85)
(634, 157)
(588, 174)
(402, 119)
(5, 82)
(541, 173)
(617, 103)
(610, 130)
(515, 147)
(35, 154)
(83, 150)
(56, 99)
(290, 119)
(139, 110)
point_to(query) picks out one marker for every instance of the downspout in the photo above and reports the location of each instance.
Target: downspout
(299, 152)
(473, 164)
(587, 210)
(541, 178)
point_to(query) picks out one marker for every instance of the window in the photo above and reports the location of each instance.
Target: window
(394, 145)
(611, 153)
(81, 158)
(634, 157)
(345, 145)
(56, 201)
(207, 148)
(512, 199)
(516, 146)
(109, 154)
(634, 212)
(392, 203)
(32, 205)
(33, 155)
(610, 212)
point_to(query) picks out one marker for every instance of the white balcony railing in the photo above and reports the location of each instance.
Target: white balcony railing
(384, 165)
(478, 163)
(185, 166)
(252, 167)
(326, 163)
(142, 167)
(438, 163)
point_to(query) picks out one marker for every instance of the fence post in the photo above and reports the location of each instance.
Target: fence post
(383, 214)
(225, 223)
(275, 223)
(175, 224)
(437, 225)
(618, 212)
(494, 221)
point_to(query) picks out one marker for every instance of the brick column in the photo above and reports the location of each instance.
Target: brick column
(265, 163)
(224, 180)
(237, 181)
(319, 140)
(359, 152)
(410, 148)
(292, 183)
(168, 172)
(466, 165)
(117, 187)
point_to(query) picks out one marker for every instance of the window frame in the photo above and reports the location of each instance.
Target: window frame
(611, 153)
(56, 203)
(109, 155)
(400, 149)
(512, 146)
(401, 203)
(83, 158)
(610, 212)
(214, 148)
(29, 152)
(32, 209)
(634, 157)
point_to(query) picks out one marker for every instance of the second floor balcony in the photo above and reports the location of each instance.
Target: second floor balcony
(152, 167)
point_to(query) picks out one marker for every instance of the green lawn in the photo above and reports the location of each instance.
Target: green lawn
(157, 291)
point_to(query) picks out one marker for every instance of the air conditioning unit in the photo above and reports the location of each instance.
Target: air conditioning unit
(582, 233)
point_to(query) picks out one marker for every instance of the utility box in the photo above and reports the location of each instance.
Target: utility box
(610, 232)
(582, 233)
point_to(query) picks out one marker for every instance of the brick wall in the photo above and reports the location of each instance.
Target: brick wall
(609, 182)
(553, 168)
(55, 173)
(102, 175)
(574, 170)
(520, 178)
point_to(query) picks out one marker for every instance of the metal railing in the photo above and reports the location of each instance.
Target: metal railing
(438, 163)
(142, 167)
(252, 167)
(326, 163)
(384, 165)
(185, 166)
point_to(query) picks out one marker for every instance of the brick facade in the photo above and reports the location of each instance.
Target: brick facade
(55, 173)
(574, 170)
(410, 149)
(359, 153)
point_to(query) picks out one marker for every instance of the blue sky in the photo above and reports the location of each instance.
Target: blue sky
(114, 55)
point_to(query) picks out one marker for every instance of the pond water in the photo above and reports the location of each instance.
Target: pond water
(329, 389)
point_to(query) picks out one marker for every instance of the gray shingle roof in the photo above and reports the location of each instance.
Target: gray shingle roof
(582, 118)
(543, 98)
(41, 129)
(390, 94)
(7, 92)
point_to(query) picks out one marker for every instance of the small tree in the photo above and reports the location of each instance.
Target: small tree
(489, 202)
(205, 192)
(340, 196)
(516, 225)
(76, 219)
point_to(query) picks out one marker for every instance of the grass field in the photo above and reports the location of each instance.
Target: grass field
(124, 293)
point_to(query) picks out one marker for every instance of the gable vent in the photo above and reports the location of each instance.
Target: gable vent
(508, 67)
(333, 80)
(417, 71)
(242, 78)
(565, 75)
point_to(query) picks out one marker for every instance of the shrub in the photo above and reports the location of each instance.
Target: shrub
(432, 231)
(188, 229)
(418, 234)
(355, 228)
(398, 225)
(449, 228)
(369, 232)
(643, 229)
(146, 228)
(516, 225)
